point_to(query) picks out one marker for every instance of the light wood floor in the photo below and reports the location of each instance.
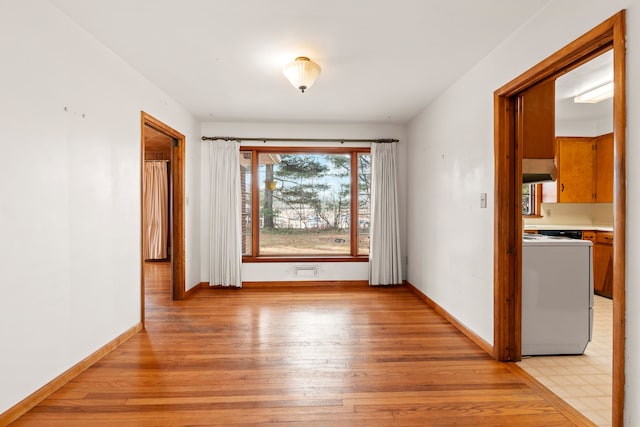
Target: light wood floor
(326, 356)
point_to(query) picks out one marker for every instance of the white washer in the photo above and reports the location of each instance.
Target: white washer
(557, 295)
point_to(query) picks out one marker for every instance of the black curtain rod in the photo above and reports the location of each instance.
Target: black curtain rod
(238, 139)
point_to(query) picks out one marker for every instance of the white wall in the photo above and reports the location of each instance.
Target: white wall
(584, 128)
(284, 271)
(574, 215)
(450, 161)
(70, 187)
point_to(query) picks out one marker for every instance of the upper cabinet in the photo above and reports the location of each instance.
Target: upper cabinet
(584, 161)
(585, 171)
(536, 121)
(575, 162)
(604, 168)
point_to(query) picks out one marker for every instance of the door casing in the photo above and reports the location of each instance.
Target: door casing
(176, 206)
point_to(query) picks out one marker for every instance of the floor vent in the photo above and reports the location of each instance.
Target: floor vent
(306, 270)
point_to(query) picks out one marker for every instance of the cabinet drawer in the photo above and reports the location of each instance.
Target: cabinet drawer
(589, 235)
(605, 237)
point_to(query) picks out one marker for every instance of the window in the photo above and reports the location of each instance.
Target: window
(531, 199)
(246, 172)
(305, 202)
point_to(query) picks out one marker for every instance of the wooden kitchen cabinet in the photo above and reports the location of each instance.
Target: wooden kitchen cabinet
(602, 253)
(585, 171)
(575, 170)
(536, 120)
(603, 259)
(604, 168)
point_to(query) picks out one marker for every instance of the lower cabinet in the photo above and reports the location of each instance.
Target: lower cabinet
(602, 261)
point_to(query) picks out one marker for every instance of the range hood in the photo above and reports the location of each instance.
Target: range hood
(538, 170)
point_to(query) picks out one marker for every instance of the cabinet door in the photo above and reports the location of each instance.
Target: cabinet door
(575, 170)
(591, 235)
(536, 121)
(603, 265)
(604, 169)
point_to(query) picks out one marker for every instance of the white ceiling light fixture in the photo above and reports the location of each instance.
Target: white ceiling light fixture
(595, 95)
(302, 72)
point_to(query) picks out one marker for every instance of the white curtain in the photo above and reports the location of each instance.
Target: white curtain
(155, 196)
(225, 238)
(385, 266)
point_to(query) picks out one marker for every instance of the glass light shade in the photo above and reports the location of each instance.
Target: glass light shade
(302, 72)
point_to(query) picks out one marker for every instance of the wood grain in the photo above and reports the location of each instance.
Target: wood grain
(603, 264)
(45, 391)
(620, 213)
(478, 340)
(507, 240)
(536, 120)
(576, 169)
(323, 356)
(604, 168)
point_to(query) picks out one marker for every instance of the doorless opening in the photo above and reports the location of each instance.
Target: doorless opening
(162, 143)
(508, 172)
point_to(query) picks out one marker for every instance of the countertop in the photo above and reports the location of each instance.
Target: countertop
(569, 227)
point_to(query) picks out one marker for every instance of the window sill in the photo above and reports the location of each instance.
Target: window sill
(329, 258)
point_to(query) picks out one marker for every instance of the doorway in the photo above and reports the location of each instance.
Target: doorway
(508, 171)
(160, 142)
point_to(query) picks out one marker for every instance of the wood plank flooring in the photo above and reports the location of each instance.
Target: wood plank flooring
(326, 356)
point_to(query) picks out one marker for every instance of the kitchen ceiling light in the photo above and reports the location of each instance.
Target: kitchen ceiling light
(595, 95)
(302, 72)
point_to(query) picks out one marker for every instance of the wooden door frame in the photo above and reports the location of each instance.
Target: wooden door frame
(176, 207)
(508, 176)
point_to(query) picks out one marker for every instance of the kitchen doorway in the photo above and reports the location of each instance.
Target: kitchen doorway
(508, 171)
(581, 200)
(162, 143)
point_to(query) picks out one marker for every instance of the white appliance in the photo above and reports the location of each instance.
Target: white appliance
(557, 295)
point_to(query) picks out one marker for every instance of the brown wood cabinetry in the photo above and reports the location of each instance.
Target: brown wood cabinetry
(604, 168)
(589, 235)
(575, 163)
(602, 253)
(603, 279)
(585, 171)
(536, 120)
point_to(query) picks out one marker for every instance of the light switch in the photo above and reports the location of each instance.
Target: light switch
(483, 200)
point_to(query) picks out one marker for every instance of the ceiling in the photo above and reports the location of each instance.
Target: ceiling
(156, 141)
(382, 61)
(589, 75)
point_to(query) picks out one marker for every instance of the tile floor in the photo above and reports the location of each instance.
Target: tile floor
(582, 381)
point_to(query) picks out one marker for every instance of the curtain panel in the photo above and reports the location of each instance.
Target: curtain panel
(225, 231)
(155, 196)
(385, 266)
